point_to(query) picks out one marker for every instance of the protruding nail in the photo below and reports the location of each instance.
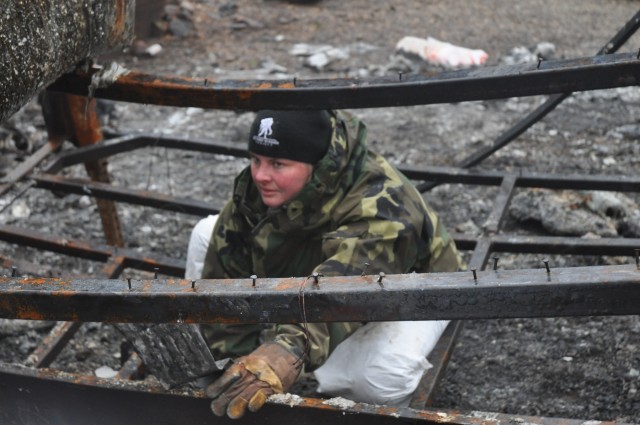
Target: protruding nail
(495, 263)
(129, 282)
(637, 258)
(546, 265)
(295, 82)
(475, 275)
(316, 278)
(380, 277)
(13, 271)
(364, 269)
(206, 82)
(539, 62)
(193, 284)
(253, 279)
(400, 75)
(638, 55)
(155, 272)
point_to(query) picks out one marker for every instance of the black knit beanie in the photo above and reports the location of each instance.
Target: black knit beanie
(296, 135)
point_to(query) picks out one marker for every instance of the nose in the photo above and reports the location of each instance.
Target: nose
(261, 173)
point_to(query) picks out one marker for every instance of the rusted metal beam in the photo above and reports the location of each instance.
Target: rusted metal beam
(122, 194)
(439, 359)
(563, 245)
(42, 39)
(127, 143)
(25, 167)
(30, 394)
(84, 128)
(579, 291)
(619, 183)
(131, 142)
(49, 348)
(501, 203)
(593, 73)
(97, 252)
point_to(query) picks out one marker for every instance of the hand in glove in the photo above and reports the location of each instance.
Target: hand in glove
(270, 369)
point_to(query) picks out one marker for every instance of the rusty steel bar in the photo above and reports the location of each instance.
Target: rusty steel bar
(578, 291)
(599, 72)
(25, 167)
(127, 143)
(32, 394)
(133, 368)
(84, 125)
(621, 37)
(49, 348)
(41, 40)
(501, 203)
(481, 251)
(97, 252)
(122, 194)
(619, 183)
(563, 245)
(439, 359)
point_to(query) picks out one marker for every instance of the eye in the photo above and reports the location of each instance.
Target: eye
(278, 164)
(254, 160)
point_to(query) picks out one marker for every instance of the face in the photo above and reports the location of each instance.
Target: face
(278, 180)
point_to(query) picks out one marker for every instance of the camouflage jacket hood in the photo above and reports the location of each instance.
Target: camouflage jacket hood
(356, 209)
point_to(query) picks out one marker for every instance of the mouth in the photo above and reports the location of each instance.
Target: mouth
(267, 192)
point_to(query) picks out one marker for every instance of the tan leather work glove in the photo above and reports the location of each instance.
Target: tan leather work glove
(270, 369)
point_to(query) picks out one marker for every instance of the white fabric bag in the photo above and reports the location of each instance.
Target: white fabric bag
(381, 363)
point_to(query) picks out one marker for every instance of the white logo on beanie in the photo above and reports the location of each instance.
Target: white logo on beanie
(262, 138)
(265, 127)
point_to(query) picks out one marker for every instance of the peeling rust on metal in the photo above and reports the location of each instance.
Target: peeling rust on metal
(452, 86)
(574, 291)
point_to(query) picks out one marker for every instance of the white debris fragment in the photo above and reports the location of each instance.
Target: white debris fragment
(441, 53)
(521, 54)
(105, 372)
(340, 403)
(20, 210)
(319, 55)
(153, 50)
(288, 399)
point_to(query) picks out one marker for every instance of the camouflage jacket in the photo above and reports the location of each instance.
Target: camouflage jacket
(356, 210)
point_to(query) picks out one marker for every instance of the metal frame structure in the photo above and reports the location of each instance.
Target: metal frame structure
(479, 293)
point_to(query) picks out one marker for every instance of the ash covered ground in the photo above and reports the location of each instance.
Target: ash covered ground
(587, 368)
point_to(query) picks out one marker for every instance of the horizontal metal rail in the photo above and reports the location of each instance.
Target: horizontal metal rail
(121, 194)
(175, 267)
(131, 142)
(128, 257)
(105, 402)
(547, 77)
(579, 291)
(441, 174)
(564, 245)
